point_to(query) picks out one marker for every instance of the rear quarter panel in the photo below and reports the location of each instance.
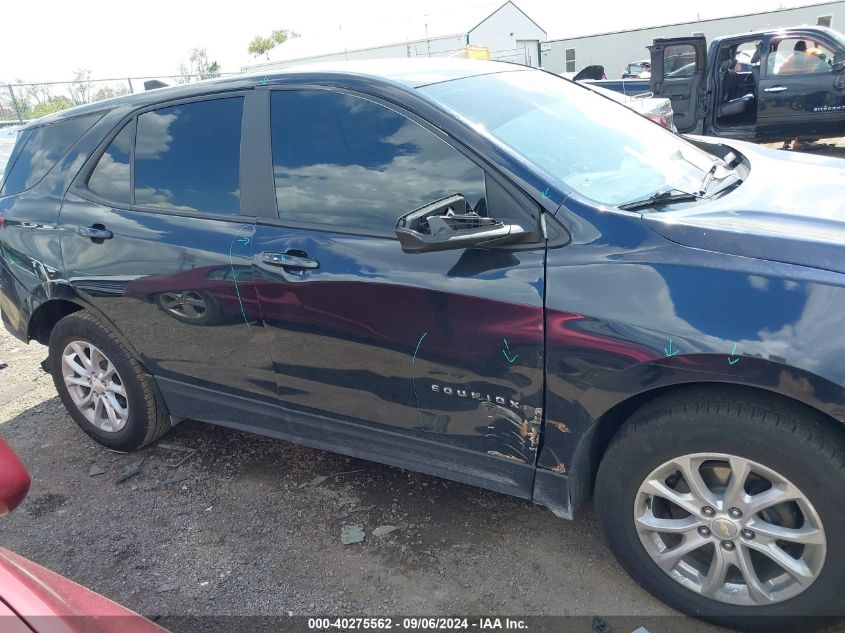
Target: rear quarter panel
(31, 266)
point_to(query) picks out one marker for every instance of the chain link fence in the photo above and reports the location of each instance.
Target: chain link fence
(22, 101)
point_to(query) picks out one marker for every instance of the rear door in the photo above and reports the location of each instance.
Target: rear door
(155, 235)
(435, 357)
(678, 73)
(802, 90)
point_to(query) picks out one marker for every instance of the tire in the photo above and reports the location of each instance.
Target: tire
(139, 418)
(780, 441)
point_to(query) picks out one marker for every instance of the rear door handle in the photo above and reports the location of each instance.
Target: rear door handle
(288, 260)
(775, 89)
(96, 232)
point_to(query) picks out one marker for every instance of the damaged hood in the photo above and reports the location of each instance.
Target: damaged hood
(791, 209)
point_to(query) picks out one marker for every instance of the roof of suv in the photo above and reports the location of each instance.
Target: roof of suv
(407, 73)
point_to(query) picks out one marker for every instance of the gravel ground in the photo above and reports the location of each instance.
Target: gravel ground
(219, 522)
(254, 529)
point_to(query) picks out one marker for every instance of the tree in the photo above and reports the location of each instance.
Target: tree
(198, 66)
(39, 93)
(260, 45)
(80, 87)
(19, 100)
(107, 92)
(54, 104)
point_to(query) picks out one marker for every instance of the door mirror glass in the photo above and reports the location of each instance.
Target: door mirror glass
(451, 223)
(839, 61)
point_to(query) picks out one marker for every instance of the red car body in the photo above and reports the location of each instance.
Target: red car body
(35, 599)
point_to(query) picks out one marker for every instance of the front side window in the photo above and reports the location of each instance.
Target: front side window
(591, 145)
(110, 178)
(799, 56)
(187, 157)
(39, 149)
(345, 161)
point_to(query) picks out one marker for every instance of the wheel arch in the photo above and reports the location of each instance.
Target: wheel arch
(46, 315)
(812, 393)
(49, 312)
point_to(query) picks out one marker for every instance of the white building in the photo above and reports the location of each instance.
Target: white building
(508, 33)
(615, 50)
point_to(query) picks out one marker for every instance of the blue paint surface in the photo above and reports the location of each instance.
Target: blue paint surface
(235, 238)
(507, 352)
(414, 373)
(732, 360)
(670, 352)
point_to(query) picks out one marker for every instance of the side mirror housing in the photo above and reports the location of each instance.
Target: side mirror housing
(450, 223)
(839, 61)
(14, 479)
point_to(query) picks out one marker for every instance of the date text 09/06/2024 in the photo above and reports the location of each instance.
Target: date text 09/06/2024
(408, 624)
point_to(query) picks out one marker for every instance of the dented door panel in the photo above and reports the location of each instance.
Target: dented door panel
(445, 346)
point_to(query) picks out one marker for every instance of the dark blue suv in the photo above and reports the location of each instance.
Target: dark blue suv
(471, 269)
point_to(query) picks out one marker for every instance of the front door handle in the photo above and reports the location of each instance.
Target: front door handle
(289, 260)
(95, 232)
(775, 89)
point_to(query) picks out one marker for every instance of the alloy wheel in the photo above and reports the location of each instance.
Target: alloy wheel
(189, 304)
(730, 529)
(95, 386)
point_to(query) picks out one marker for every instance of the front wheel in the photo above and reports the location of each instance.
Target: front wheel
(102, 385)
(725, 505)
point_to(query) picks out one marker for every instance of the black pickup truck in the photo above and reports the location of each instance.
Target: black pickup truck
(768, 85)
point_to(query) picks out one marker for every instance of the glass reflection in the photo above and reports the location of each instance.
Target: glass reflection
(343, 160)
(187, 157)
(110, 179)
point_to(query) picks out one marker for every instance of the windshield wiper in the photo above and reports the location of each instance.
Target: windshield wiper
(660, 199)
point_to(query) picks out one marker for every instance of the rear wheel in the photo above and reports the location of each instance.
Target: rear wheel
(723, 504)
(102, 386)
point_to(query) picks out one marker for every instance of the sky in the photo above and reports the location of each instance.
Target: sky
(151, 38)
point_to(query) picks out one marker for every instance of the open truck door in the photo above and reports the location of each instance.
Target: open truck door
(801, 92)
(679, 73)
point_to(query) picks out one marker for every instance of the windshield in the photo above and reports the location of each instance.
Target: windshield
(837, 37)
(584, 142)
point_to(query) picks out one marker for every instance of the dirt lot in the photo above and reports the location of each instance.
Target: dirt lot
(252, 529)
(824, 147)
(218, 522)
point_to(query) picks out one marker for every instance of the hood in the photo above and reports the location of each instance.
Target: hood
(790, 208)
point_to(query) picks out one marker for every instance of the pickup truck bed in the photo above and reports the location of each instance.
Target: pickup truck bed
(630, 87)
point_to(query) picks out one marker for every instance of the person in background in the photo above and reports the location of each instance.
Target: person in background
(817, 61)
(796, 62)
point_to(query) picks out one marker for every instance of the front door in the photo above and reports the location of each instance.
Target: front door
(428, 350)
(802, 90)
(678, 73)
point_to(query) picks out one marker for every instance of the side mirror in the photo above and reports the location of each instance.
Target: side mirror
(450, 223)
(839, 61)
(14, 480)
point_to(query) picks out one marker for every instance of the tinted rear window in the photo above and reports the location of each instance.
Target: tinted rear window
(187, 157)
(42, 148)
(110, 178)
